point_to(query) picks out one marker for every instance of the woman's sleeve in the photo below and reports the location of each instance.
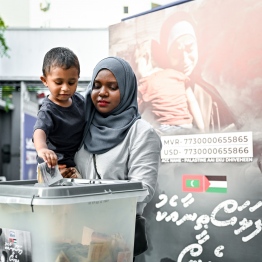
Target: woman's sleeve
(144, 159)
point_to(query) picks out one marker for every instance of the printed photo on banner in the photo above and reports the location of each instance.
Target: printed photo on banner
(193, 75)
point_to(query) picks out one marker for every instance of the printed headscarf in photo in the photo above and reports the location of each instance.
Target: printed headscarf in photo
(105, 131)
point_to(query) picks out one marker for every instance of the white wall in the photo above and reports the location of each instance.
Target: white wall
(69, 13)
(28, 47)
(83, 13)
(15, 12)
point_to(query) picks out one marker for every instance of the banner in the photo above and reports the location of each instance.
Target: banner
(29, 164)
(199, 73)
(29, 111)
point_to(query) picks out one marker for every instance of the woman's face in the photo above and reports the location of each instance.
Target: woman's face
(105, 94)
(183, 54)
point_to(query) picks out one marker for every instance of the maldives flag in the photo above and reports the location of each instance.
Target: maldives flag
(194, 183)
(201, 183)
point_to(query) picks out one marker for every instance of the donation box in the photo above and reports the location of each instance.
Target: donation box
(76, 221)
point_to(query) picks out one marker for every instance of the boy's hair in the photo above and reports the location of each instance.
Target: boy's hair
(60, 57)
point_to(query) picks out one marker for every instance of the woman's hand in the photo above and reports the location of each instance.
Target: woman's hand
(69, 172)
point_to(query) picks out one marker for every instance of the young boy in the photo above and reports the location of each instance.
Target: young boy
(60, 121)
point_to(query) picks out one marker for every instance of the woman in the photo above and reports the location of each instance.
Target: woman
(117, 143)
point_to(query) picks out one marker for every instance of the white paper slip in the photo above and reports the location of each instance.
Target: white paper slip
(48, 175)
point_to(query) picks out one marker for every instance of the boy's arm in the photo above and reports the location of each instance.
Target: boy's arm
(48, 156)
(195, 109)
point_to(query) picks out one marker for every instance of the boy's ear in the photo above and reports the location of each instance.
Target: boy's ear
(43, 79)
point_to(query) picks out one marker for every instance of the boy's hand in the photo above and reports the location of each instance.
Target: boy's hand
(48, 156)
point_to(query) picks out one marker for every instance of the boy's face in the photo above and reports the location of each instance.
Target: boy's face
(62, 84)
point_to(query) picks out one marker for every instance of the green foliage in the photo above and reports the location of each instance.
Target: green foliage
(3, 46)
(7, 91)
(7, 95)
(7, 103)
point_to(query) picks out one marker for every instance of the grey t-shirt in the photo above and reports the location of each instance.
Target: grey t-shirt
(63, 126)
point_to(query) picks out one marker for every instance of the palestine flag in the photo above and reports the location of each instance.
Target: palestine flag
(201, 183)
(218, 184)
